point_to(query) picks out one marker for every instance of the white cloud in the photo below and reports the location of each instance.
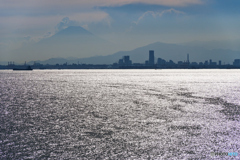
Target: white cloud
(82, 19)
(158, 14)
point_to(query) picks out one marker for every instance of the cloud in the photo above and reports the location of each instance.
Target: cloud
(158, 14)
(91, 16)
(83, 19)
(28, 23)
(85, 26)
(15, 28)
(46, 4)
(66, 22)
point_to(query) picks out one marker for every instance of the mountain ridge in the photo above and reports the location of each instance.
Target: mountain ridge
(166, 51)
(73, 41)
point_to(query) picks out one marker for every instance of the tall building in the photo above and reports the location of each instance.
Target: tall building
(210, 62)
(236, 62)
(151, 58)
(188, 62)
(161, 62)
(220, 63)
(126, 59)
(120, 62)
(206, 63)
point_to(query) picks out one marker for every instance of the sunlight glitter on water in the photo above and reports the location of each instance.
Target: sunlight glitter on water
(119, 114)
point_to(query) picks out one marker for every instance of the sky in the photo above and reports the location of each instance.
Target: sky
(127, 23)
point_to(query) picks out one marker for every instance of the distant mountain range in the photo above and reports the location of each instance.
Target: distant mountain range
(162, 50)
(75, 41)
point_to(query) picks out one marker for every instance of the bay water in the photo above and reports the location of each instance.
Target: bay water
(119, 114)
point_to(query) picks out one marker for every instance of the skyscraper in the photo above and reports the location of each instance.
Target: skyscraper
(220, 63)
(151, 58)
(188, 59)
(126, 59)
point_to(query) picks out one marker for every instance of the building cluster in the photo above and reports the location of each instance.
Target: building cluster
(152, 62)
(126, 63)
(56, 66)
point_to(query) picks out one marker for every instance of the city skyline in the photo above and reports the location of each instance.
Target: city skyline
(126, 63)
(164, 50)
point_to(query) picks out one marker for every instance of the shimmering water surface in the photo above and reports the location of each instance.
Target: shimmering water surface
(119, 114)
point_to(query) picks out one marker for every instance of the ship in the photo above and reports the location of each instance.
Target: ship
(23, 69)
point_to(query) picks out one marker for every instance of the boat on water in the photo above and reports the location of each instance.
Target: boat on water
(23, 69)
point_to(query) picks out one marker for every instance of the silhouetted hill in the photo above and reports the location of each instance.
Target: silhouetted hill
(72, 36)
(51, 61)
(73, 41)
(166, 51)
(73, 30)
(221, 44)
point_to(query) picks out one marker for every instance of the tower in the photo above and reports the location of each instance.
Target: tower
(126, 60)
(188, 59)
(151, 58)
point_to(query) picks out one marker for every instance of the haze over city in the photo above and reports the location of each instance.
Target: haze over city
(39, 30)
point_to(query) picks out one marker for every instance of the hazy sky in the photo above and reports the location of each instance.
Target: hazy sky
(128, 23)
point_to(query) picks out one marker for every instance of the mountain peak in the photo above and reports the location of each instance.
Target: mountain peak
(74, 30)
